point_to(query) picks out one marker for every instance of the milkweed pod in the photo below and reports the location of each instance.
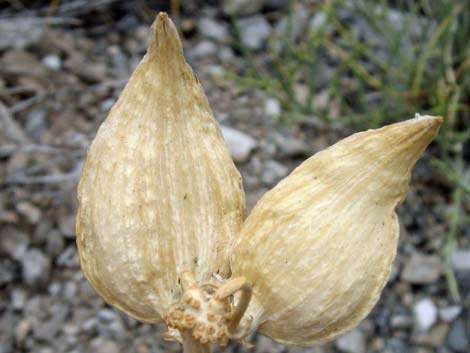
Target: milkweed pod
(318, 247)
(159, 193)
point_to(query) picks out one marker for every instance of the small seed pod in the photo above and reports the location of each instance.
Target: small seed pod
(159, 195)
(318, 248)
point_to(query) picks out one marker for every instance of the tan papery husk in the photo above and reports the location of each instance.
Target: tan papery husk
(159, 192)
(318, 247)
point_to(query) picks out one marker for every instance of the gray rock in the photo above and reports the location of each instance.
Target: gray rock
(352, 342)
(36, 268)
(401, 321)
(450, 313)
(6, 347)
(254, 31)
(41, 231)
(54, 288)
(89, 325)
(107, 104)
(226, 55)
(461, 260)
(20, 32)
(36, 123)
(267, 149)
(457, 338)
(214, 70)
(110, 324)
(395, 345)
(67, 226)
(422, 269)
(425, 314)
(18, 299)
(69, 258)
(48, 350)
(240, 144)
(54, 244)
(71, 330)
(90, 72)
(273, 172)
(70, 291)
(210, 28)
(47, 330)
(289, 146)
(29, 211)
(203, 49)
(13, 242)
(242, 7)
(104, 345)
(22, 330)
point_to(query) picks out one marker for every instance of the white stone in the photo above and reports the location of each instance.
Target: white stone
(36, 268)
(273, 172)
(425, 314)
(239, 143)
(203, 49)
(461, 260)
(107, 104)
(254, 31)
(352, 342)
(52, 62)
(272, 107)
(450, 313)
(212, 29)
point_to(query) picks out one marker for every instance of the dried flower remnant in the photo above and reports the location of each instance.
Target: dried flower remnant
(161, 232)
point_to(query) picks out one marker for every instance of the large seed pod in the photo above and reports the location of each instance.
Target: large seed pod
(318, 248)
(159, 192)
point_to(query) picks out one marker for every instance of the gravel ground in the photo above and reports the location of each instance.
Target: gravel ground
(57, 83)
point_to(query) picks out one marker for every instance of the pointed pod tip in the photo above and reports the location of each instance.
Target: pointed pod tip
(164, 36)
(427, 120)
(423, 127)
(162, 16)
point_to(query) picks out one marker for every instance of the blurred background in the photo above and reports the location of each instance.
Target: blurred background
(285, 79)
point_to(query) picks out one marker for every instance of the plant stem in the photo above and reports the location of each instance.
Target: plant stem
(191, 345)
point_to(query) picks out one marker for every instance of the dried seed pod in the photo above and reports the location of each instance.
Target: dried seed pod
(318, 248)
(159, 193)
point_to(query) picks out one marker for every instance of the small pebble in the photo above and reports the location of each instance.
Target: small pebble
(272, 107)
(273, 172)
(422, 269)
(461, 260)
(425, 314)
(240, 144)
(450, 313)
(458, 339)
(352, 342)
(104, 345)
(212, 29)
(52, 62)
(203, 49)
(254, 31)
(18, 299)
(36, 268)
(29, 211)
